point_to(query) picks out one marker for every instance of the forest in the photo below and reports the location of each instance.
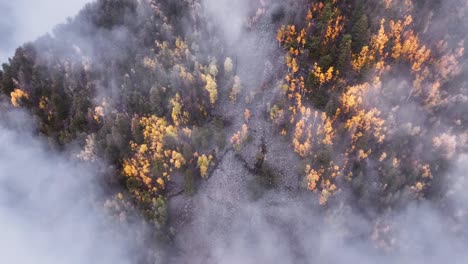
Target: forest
(219, 129)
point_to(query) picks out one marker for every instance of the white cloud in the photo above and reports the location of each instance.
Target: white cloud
(47, 213)
(26, 20)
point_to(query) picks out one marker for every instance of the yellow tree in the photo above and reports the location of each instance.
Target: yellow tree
(179, 117)
(203, 164)
(380, 40)
(240, 137)
(323, 77)
(211, 87)
(17, 95)
(152, 153)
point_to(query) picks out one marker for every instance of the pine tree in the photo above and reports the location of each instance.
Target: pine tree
(360, 33)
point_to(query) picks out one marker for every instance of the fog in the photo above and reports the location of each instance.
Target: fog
(50, 210)
(284, 229)
(26, 20)
(50, 205)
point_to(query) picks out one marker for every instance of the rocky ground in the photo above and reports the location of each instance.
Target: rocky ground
(206, 221)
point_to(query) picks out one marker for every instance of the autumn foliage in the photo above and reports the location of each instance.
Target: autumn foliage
(355, 104)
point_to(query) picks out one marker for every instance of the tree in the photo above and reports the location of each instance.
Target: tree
(360, 33)
(228, 66)
(17, 96)
(203, 163)
(212, 88)
(345, 52)
(7, 85)
(156, 100)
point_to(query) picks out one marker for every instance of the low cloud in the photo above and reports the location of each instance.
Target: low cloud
(49, 205)
(26, 20)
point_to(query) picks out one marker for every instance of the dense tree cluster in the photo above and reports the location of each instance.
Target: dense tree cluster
(130, 81)
(363, 77)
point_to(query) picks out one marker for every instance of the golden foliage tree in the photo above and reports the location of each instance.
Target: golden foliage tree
(151, 161)
(212, 88)
(203, 164)
(17, 95)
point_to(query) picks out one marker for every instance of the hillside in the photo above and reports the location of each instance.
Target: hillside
(261, 131)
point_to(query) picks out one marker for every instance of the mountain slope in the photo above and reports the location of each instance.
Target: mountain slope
(259, 118)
